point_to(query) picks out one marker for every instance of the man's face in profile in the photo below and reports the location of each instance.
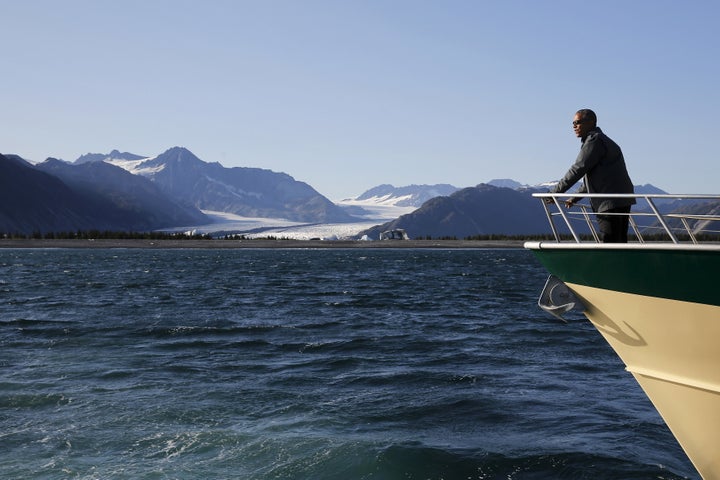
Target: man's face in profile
(581, 126)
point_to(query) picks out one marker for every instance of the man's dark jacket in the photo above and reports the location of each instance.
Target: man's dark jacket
(602, 164)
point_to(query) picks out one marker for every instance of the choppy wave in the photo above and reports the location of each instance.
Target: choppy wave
(317, 364)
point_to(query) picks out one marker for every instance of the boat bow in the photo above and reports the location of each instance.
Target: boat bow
(655, 301)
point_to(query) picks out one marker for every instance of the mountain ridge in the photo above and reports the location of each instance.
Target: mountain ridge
(151, 207)
(34, 199)
(246, 191)
(169, 190)
(471, 211)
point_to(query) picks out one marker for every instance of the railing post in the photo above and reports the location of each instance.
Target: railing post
(567, 220)
(635, 228)
(688, 230)
(550, 219)
(589, 223)
(660, 219)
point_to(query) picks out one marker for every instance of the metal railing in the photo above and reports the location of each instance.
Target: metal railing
(669, 222)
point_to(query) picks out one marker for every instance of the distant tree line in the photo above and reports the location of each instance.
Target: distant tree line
(105, 235)
(493, 237)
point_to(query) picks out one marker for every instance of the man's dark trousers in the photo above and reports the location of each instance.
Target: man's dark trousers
(614, 228)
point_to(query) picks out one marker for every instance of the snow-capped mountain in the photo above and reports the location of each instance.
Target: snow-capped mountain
(387, 201)
(55, 197)
(114, 155)
(506, 183)
(408, 196)
(481, 210)
(249, 192)
(134, 195)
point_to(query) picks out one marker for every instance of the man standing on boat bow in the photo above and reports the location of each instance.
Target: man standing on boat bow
(602, 164)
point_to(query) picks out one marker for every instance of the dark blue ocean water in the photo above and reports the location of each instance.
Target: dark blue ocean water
(309, 364)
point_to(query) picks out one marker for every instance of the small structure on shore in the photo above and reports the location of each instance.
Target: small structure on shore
(396, 234)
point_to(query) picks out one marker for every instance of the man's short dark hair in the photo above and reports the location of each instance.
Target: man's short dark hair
(588, 115)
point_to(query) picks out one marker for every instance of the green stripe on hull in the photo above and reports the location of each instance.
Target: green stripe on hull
(690, 276)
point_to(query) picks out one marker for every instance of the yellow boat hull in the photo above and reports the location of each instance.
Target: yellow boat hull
(671, 348)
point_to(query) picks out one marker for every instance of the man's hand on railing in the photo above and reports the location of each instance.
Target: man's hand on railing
(568, 203)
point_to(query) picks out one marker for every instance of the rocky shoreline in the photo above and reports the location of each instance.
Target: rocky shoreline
(255, 243)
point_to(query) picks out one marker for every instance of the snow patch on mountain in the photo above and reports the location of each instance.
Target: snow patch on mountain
(378, 208)
(506, 183)
(407, 196)
(136, 167)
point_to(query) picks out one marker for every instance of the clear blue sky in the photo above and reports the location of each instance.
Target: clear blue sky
(346, 95)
